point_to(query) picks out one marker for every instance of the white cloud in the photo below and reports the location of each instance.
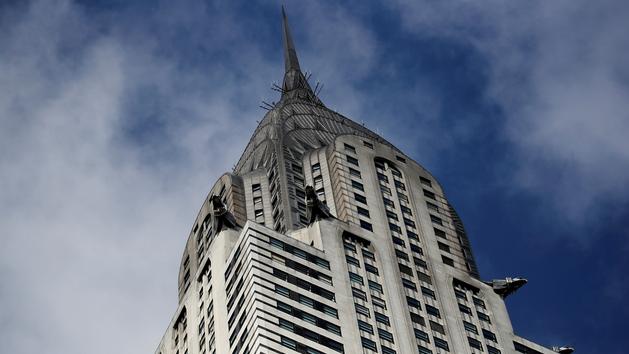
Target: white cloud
(94, 215)
(92, 227)
(94, 210)
(559, 72)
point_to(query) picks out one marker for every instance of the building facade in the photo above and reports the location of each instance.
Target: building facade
(373, 260)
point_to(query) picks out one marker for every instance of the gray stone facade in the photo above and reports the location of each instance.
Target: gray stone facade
(391, 272)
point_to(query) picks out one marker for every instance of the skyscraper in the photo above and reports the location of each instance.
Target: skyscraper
(326, 238)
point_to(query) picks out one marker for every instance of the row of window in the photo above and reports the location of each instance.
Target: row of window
(311, 335)
(368, 275)
(422, 337)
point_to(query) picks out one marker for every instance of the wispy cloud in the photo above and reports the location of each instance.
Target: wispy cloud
(114, 125)
(111, 132)
(559, 74)
(107, 147)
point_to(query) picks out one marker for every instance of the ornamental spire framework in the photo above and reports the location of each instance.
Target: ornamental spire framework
(295, 84)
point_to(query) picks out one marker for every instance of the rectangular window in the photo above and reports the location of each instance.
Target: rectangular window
(521, 348)
(440, 343)
(256, 187)
(359, 294)
(405, 269)
(358, 185)
(439, 233)
(409, 284)
(400, 158)
(421, 335)
(417, 249)
(437, 327)
(443, 247)
(417, 319)
(424, 277)
(364, 326)
(382, 318)
(316, 167)
(423, 350)
(398, 241)
(478, 302)
(365, 225)
(460, 294)
(430, 194)
(368, 144)
(483, 317)
(395, 228)
(428, 292)
(432, 206)
(425, 181)
(356, 278)
(493, 350)
(362, 310)
(354, 172)
(401, 255)
(382, 177)
(387, 350)
(465, 309)
(352, 160)
(414, 303)
(349, 148)
(368, 254)
(353, 261)
(489, 335)
(448, 261)
(362, 211)
(289, 343)
(435, 219)
(388, 202)
(475, 343)
(406, 210)
(386, 335)
(282, 290)
(433, 311)
(360, 198)
(375, 286)
(378, 302)
(297, 168)
(371, 269)
(409, 222)
(368, 343)
(470, 327)
(420, 262)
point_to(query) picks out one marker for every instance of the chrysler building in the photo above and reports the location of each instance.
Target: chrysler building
(326, 238)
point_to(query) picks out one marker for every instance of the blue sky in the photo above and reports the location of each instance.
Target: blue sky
(116, 117)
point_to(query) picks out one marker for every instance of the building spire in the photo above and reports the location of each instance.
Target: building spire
(295, 84)
(290, 54)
